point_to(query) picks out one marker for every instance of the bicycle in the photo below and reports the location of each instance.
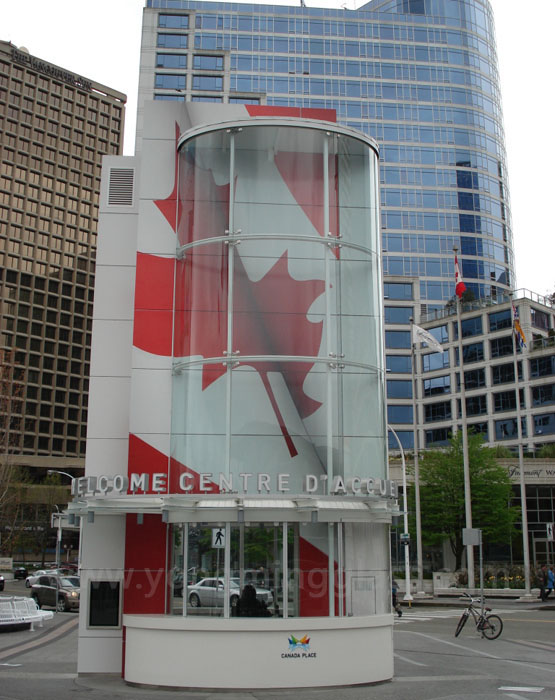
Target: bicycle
(490, 626)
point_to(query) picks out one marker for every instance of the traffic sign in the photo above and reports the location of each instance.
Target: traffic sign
(218, 537)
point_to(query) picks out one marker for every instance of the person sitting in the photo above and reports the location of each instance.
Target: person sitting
(249, 605)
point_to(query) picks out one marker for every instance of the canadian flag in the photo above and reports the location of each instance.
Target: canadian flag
(460, 286)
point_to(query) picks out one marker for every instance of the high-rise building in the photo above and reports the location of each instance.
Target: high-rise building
(418, 76)
(55, 126)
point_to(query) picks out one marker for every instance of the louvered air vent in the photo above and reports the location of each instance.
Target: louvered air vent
(120, 188)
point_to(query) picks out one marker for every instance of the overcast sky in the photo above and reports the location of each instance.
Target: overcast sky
(101, 41)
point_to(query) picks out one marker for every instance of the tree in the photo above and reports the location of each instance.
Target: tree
(442, 495)
(10, 423)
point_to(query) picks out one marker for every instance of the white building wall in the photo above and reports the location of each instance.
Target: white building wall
(102, 542)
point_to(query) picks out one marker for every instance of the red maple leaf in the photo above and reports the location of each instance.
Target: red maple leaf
(269, 316)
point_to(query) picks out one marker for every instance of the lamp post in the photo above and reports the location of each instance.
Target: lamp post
(464, 430)
(522, 484)
(59, 518)
(408, 595)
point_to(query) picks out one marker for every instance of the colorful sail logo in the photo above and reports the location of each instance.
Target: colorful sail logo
(303, 643)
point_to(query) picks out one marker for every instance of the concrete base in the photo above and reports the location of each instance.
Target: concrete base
(255, 653)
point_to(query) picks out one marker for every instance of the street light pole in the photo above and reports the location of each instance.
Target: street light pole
(408, 595)
(464, 430)
(58, 535)
(59, 518)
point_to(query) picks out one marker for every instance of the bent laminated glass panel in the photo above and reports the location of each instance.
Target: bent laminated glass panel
(278, 363)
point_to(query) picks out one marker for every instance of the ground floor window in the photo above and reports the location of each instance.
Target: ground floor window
(275, 570)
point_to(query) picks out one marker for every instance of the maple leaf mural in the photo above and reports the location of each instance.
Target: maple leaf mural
(270, 315)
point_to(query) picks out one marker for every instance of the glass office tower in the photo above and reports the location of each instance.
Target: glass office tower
(418, 76)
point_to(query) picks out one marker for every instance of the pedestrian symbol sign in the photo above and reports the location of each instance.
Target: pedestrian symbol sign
(218, 537)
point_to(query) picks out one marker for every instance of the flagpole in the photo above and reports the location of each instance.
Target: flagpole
(524, 512)
(419, 567)
(464, 428)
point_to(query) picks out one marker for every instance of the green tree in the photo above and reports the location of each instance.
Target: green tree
(442, 495)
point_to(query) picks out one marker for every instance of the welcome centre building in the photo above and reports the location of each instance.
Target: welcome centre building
(237, 433)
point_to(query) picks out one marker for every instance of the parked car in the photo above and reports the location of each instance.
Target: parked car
(210, 592)
(60, 592)
(20, 572)
(1, 582)
(33, 578)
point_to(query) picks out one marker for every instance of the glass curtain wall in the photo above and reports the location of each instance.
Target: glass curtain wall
(278, 369)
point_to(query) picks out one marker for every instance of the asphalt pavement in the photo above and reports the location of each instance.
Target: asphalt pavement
(430, 663)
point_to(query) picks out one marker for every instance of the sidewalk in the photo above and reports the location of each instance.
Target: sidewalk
(460, 601)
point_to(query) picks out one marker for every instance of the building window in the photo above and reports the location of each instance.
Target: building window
(503, 374)
(471, 353)
(171, 60)
(208, 82)
(440, 333)
(508, 429)
(206, 98)
(437, 411)
(500, 347)
(543, 394)
(169, 81)
(399, 389)
(544, 424)
(397, 290)
(542, 366)
(406, 438)
(500, 320)
(437, 437)
(539, 319)
(244, 100)
(473, 379)
(398, 314)
(437, 385)
(480, 429)
(435, 360)
(208, 62)
(173, 21)
(469, 327)
(475, 405)
(173, 41)
(504, 401)
(399, 414)
(400, 364)
(397, 339)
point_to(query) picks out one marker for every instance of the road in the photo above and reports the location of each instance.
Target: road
(430, 663)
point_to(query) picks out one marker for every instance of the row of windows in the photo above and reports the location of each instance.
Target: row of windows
(442, 199)
(441, 157)
(361, 28)
(442, 267)
(273, 43)
(169, 81)
(377, 90)
(506, 429)
(444, 222)
(428, 177)
(369, 70)
(179, 60)
(209, 98)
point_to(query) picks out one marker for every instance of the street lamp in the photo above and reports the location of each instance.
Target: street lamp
(57, 471)
(59, 518)
(408, 595)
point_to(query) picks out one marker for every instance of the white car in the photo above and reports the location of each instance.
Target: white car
(209, 592)
(33, 578)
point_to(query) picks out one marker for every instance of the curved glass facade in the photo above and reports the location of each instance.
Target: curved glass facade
(278, 382)
(419, 76)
